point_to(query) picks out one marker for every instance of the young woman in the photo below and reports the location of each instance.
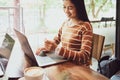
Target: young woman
(75, 34)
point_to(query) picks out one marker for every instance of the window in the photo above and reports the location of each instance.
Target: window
(41, 16)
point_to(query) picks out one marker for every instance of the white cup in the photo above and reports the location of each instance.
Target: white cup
(33, 73)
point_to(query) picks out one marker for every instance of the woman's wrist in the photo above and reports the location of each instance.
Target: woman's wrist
(57, 50)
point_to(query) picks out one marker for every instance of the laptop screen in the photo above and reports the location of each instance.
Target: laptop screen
(6, 46)
(5, 51)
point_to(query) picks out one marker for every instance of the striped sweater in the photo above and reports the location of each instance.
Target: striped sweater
(76, 42)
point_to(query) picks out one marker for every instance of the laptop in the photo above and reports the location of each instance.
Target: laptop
(5, 52)
(41, 61)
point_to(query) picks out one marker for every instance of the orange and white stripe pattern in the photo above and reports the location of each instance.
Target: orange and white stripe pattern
(76, 42)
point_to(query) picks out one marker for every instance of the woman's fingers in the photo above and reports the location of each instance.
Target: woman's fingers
(39, 50)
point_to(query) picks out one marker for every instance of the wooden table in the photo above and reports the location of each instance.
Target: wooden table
(70, 71)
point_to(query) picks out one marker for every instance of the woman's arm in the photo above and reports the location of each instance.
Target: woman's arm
(83, 55)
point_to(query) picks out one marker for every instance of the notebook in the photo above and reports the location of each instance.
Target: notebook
(5, 52)
(42, 61)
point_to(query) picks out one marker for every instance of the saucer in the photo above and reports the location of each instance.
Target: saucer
(22, 78)
(44, 78)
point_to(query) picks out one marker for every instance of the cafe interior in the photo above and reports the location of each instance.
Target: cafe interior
(41, 19)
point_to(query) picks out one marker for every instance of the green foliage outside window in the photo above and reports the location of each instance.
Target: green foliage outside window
(94, 7)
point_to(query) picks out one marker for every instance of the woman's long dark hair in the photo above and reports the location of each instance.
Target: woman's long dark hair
(81, 10)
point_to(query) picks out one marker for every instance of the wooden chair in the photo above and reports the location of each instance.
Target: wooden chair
(97, 47)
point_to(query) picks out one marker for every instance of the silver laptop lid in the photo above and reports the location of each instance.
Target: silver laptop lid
(25, 45)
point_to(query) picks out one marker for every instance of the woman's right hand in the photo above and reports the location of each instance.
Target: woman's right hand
(50, 45)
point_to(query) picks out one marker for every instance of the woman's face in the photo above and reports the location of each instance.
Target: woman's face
(69, 9)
